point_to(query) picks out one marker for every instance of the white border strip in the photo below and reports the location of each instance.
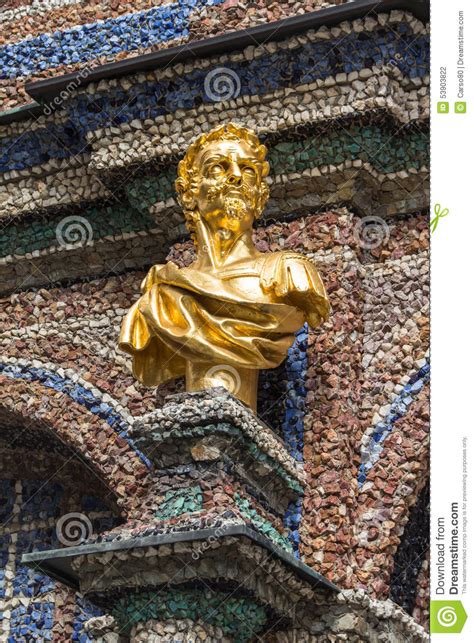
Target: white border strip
(451, 312)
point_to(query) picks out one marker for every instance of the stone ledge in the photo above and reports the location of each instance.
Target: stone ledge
(304, 604)
(203, 420)
(68, 564)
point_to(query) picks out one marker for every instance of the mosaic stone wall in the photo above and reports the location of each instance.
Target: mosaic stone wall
(44, 38)
(38, 513)
(348, 397)
(87, 204)
(344, 112)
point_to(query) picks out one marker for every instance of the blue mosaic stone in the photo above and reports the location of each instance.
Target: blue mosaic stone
(40, 500)
(86, 611)
(33, 620)
(32, 623)
(4, 544)
(292, 521)
(105, 38)
(398, 409)
(284, 68)
(293, 425)
(28, 583)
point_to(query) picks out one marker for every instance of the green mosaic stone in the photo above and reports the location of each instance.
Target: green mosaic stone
(386, 151)
(180, 501)
(239, 617)
(262, 524)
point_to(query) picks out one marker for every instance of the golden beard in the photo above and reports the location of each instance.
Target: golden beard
(235, 207)
(237, 202)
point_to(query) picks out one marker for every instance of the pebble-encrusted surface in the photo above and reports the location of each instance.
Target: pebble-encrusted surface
(372, 64)
(243, 470)
(353, 616)
(88, 189)
(47, 38)
(348, 533)
(175, 629)
(33, 503)
(332, 616)
(186, 412)
(232, 618)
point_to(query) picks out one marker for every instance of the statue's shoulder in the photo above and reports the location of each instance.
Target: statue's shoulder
(274, 264)
(294, 277)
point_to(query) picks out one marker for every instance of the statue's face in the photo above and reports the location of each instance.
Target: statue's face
(229, 181)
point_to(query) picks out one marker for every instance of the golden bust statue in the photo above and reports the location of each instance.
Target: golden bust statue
(234, 310)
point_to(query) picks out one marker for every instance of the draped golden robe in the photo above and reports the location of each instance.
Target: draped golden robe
(189, 315)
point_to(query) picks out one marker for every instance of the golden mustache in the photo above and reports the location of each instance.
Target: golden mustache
(215, 192)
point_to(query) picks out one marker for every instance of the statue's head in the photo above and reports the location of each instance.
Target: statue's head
(221, 179)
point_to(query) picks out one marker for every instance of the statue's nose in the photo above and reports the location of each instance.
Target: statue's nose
(235, 176)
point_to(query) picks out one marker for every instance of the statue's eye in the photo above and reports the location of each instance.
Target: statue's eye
(216, 168)
(249, 170)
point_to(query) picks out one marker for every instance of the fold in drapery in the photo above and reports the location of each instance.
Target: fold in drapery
(185, 314)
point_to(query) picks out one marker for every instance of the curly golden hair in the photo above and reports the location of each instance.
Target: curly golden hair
(186, 184)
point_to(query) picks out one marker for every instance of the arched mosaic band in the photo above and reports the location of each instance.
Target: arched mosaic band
(388, 499)
(78, 393)
(374, 438)
(78, 428)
